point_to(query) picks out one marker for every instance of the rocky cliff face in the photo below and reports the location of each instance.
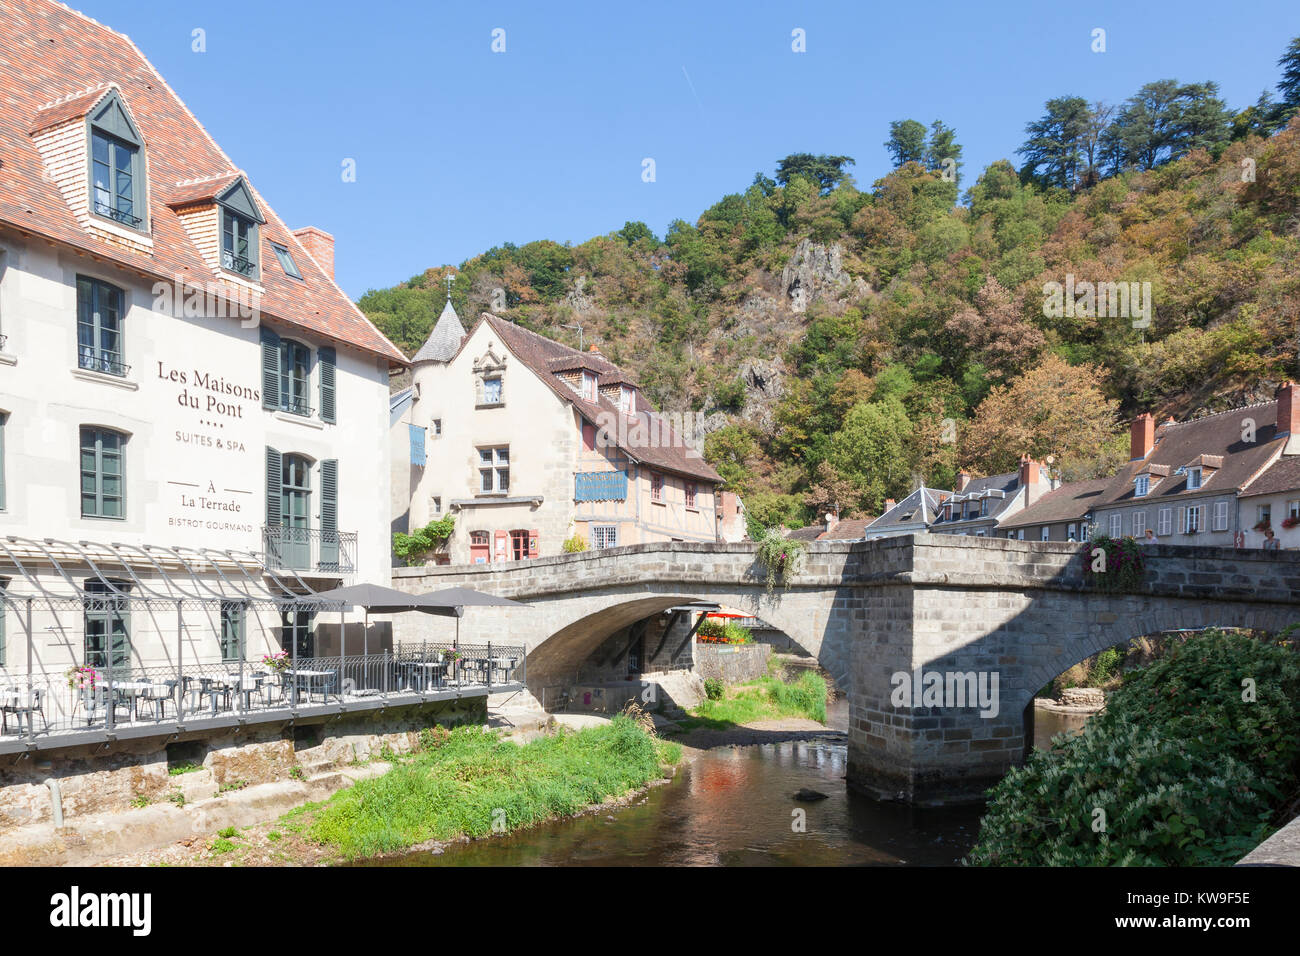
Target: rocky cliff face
(816, 271)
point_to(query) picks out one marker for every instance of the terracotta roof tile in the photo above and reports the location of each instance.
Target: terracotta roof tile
(1279, 478)
(50, 52)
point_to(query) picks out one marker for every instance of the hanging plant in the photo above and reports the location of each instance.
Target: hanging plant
(782, 557)
(1115, 565)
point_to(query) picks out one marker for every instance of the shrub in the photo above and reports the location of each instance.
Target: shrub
(713, 688)
(807, 695)
(574, 544)
(1123, 562)
(1182, 769)
(415, 547)
(782, 557)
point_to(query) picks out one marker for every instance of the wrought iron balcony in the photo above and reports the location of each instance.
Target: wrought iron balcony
(117, 215)
(105, 362)
(288, 548)
(245, 267)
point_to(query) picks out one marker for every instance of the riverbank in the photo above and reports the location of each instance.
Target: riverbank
(456, 786)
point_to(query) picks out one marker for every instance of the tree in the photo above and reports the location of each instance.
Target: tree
(871, 451)
(1164, 120)
(634, 232)
(996, 332)
(1054, 151)
(831, 492)
(824, 172)
(943, 152)
(1289, 86)
(906, 143)
(1053, 409)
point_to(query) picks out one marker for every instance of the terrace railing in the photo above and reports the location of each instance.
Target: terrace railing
(103, 699)
(309, 549)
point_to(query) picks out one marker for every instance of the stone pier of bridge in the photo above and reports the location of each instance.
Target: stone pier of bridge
(1017, 613)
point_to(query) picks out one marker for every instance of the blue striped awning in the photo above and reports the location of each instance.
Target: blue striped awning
(417, 444)
(600, 486)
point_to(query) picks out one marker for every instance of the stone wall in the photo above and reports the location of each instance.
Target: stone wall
(731, 664)
(132, 773)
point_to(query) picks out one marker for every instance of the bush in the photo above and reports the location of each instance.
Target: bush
(713, 688)
(574, 544)
(807, 695)
(415, 547)
(1179, 769)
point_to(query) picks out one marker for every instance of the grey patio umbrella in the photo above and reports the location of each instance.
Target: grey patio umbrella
(457, 599)
(381, 600)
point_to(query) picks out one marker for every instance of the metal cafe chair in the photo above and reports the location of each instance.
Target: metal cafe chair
(21, 701)
(157, 696)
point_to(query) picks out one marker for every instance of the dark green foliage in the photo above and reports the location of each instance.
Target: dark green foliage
(1185, 770)
(416, 546)
(713, 688)
(1124, 564)
(824, 172)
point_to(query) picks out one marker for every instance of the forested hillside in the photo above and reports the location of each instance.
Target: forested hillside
(843, 343)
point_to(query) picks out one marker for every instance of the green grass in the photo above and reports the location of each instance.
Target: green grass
(179, 769)
(460, 786)
(763, 699)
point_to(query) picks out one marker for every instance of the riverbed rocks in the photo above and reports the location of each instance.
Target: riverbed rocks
(1083, 697)
(805, 795)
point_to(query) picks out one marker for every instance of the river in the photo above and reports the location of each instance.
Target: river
(735, 806)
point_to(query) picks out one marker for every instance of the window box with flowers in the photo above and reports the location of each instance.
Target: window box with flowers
(1290, 521)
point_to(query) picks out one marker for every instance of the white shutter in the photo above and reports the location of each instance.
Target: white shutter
(1116, 524)
(1165, 521)
(1220, 516)
(1182, 520)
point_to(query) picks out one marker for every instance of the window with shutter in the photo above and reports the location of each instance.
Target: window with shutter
(1116, 524)
(1164, 523)
(1221, 516)
(4, 420)
(274, 479)
(1139, 523)
(328, 372)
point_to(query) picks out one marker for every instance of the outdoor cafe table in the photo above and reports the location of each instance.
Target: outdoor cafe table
(503, 664)
(436, 671)
(307, 677)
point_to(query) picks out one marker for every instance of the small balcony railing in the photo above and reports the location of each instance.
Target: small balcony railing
(239, 264)
(286, 548)
(117, 215)
(106, 362)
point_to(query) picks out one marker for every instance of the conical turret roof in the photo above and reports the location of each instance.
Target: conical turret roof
(445, 338)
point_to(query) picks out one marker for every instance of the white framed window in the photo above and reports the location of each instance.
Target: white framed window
(980, 532)
(1263, 514)
(1194, 519)
(1293, 508)
(1071, 531)
(604, 536)
(435, 505)
(1221, 516)
(1045, 534)
(492, 391)
(494, 470)
(1139, 523)
(1193, 478)
(589, 386)
(626, 400)
(1116, 525)
(1020, 535)
(1165, 521)
(1141, 486)
(1085, 531)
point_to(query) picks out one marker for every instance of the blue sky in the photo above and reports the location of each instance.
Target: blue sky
(458, 148)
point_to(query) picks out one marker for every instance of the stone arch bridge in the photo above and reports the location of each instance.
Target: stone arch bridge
(1017, 612)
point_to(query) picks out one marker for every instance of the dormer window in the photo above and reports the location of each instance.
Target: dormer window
(1141, 486)
(589, 386)
(117, 183)
(240, 218)
(1193, 478)
(627, 400)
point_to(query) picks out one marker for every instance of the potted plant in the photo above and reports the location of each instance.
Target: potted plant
(276, 662)
(1262, 525)
(1290, 521)
(84, 678)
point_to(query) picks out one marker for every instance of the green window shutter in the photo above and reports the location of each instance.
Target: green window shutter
(270, 370)
(329, 514)
(274, 478)
(328, 367)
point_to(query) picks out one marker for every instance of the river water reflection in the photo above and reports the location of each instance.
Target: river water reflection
(735, 807)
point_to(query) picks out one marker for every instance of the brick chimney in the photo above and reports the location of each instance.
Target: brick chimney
(1142, 437)
(1028, 471)
(319, 245)
(889, 503)
(963, 479)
